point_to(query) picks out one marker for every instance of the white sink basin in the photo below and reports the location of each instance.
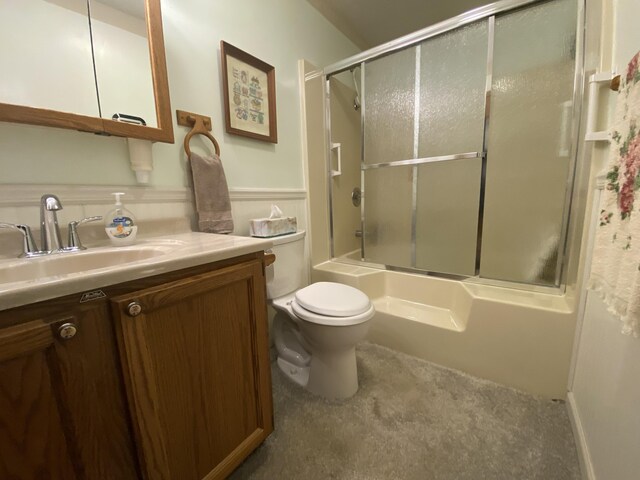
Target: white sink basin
(32, 269)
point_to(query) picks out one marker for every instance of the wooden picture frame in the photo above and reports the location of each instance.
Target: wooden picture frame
(249, 91)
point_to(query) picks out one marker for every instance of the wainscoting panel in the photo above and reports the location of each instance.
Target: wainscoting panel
(159, 211)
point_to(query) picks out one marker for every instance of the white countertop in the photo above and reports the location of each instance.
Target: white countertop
(173, 252)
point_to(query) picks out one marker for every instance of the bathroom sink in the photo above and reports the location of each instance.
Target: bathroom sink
(29, 280)
(32, 269)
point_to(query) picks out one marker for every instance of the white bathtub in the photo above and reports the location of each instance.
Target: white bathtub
(516, 338)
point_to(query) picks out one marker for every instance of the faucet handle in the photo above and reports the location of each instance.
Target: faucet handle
(29, 247)
(74, 239)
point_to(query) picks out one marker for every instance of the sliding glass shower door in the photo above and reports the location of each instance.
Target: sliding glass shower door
(467, 147)
(423, 142)
(388, 130)
(529, 142)
(452, 111)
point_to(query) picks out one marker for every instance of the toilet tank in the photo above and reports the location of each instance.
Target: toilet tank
(289, 272)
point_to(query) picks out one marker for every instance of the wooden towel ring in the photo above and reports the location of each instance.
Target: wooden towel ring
(199, 128)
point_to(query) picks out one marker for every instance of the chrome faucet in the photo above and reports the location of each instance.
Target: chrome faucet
(49, 229)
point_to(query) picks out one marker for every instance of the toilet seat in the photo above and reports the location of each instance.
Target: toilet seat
(333, 300)
(312, 317)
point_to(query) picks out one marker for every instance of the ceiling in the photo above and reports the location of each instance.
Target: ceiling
(134, 8)
(368, 23)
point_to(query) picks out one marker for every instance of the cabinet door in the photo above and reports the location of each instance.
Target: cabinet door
(33, 438)
(62, 404)
(89, 375)
(196, 361)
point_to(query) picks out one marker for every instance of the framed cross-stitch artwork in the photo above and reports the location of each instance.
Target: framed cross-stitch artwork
(249, 86)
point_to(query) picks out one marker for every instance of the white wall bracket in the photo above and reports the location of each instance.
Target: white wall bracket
(595, 81)
(141, 159)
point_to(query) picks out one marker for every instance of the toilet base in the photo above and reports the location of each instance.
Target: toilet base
(300, 375)
(333, 375)
(319, 358)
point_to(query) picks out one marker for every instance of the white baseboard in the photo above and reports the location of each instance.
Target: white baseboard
(586, 466)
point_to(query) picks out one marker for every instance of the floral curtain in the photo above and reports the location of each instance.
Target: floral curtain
(615, 271)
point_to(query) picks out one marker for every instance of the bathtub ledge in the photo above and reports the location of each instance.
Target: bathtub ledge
(419, 312)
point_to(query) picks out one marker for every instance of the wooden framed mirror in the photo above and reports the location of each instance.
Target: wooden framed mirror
(101, 18)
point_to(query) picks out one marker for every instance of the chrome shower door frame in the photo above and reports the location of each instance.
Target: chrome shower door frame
(487, 12)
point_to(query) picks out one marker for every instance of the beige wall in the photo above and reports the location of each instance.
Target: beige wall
(345, 130)
(315, 152)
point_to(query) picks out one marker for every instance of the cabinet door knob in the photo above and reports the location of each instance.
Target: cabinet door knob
(67, 330)
(134, 309)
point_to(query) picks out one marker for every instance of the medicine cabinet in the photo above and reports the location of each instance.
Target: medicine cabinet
(76, 63)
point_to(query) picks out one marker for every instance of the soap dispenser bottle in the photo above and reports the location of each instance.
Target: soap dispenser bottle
(120, 224)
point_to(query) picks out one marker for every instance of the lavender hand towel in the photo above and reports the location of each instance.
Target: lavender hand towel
(211, 193)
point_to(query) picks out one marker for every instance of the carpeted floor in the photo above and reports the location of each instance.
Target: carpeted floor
(414, 420)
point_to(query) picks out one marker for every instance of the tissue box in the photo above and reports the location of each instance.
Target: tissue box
(272, 227)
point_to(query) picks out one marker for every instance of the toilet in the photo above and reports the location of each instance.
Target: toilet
(316, 328)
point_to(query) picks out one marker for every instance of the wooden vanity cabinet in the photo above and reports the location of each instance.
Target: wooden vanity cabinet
(167, 377)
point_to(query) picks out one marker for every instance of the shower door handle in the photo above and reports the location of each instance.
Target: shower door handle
(338, 148)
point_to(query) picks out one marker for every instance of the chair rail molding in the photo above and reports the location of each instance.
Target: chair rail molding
(29, 194)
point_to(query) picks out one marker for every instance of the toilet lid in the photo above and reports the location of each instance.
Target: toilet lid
(309, 316)
(333, 299)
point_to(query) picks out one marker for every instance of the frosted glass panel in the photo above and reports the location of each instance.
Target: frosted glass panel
(388, 210)
(447, 216)
(527, 162)
(389, 93)
(452, 91)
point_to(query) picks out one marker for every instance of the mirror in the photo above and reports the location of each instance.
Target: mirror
(72, 70)
(122, 61)
(55, 40)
